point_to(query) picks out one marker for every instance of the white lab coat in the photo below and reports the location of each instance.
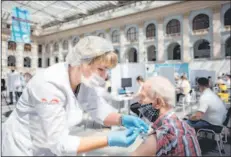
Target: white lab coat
(39, 126)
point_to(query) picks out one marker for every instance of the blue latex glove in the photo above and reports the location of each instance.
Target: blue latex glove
(122, 138)
(135, 123)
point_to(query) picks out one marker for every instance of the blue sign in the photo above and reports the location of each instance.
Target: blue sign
(180, 68)
(21, 30)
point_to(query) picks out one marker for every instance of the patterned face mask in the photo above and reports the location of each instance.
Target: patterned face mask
(149, 112)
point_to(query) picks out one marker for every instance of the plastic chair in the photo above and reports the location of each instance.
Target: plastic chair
(217, 131)
(188, 100)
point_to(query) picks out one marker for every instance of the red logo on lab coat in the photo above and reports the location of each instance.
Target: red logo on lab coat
(54, 101)
(44, 100)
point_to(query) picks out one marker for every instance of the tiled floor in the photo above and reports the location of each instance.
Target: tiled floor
(116, 151)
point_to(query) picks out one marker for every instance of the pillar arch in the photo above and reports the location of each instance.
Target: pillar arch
(202, 49)
(131, 55)
(174, 51)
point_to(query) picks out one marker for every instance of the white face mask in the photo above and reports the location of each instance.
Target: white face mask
(93, 81)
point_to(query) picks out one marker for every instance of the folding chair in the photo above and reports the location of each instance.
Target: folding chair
(217, 131)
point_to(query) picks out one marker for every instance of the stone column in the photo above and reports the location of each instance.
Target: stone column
(44, 63)
(34, 59)
(19, 55)
(185, 53)
(60, 54)
(69, 45)
(216, 25)
(122, 45)
(51, 55)
(4, 54)
(142, 55)
(160, 52)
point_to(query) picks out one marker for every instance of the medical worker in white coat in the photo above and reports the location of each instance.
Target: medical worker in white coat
(48, 107)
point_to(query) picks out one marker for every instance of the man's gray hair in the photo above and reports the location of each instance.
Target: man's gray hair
(164, 88)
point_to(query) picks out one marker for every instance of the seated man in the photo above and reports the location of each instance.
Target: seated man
(211, 111)
(171, 136)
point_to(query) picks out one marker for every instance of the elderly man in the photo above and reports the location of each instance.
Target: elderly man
(171, 136)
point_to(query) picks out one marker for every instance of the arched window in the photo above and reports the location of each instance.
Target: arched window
(132, 34)
(27, 47)
(174, 52)
(202, 49)
(65, 45)
(75, 41)
(102, 35)
(204, 46)
(12, 45)
(115, 36)
(228, 47)
(56, 47)
(56, 59)
(227, 18)
(39, 62)
(152, 53)
(27, 62)
(201, 21)
(11, 61)
(173, 27)
(48, 50)
(132, 55)
(150, 31)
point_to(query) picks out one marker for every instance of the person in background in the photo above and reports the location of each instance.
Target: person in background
(27, 76)
(211, 109)
(184, 87)
(170, 136)
(13, 80)
(177, 81)
(228, 79)
(20, 84)
(210, 82)
(223, 76)
(219, 81)
(135, 107)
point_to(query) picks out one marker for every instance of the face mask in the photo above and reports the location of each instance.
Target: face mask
(149, 112)
(93, 81)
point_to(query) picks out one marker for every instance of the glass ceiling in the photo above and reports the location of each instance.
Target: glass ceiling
(50, 13)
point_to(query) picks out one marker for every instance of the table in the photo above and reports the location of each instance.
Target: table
(125, 99)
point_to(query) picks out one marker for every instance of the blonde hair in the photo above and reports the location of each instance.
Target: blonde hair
(110, 59)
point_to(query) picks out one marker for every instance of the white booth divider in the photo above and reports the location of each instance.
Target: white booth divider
(128, 70)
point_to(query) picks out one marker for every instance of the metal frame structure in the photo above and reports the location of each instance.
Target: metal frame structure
(50, 13)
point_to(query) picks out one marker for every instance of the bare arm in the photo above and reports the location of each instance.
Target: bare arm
(91, 143)
(112, 119)
(197, 116)
(148, 148)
